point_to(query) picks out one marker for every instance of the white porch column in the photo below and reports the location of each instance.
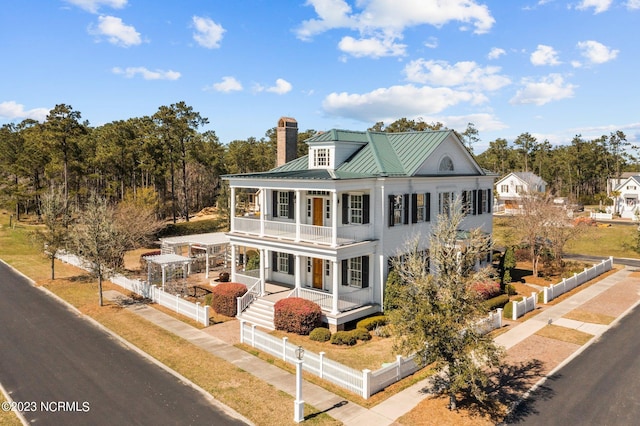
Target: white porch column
(189, 252)
(164, 276)
(334, 218)
(263, 269)
(298, 213)
(336, 285)
(206, 262)
(233, 262)
(298, 271)
(233, 209)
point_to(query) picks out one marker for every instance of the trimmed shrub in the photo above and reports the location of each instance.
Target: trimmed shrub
(320, 334)
(371, 322)
(208, 299)
(297, 315)
(362, 334)
(343, 338)
(486, 289)
(496, 302)
(224, 298)
(383, 331)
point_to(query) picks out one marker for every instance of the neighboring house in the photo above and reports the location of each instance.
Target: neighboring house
(627, 203)
(330, 222)
(509, 190)
(613, 183)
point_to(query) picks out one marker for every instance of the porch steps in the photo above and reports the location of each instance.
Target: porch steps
(260, 313)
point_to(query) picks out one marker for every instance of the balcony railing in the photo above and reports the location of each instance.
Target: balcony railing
(307, 233)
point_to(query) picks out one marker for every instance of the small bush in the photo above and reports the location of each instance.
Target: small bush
(343, 338)
(371, 322)
(383, 331)
(208, 299)
(224, 298)
(496, 302)
(486, 289)
(320, 334)
(361, 334)
(510, 289)
(297, 315)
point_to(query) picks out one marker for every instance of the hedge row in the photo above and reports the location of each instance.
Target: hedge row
(372, 322)
(351, 337)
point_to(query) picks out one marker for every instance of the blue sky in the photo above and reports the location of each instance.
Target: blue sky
(552, 68)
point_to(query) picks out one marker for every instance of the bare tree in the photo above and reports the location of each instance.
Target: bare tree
(55, 235)
(434, 313)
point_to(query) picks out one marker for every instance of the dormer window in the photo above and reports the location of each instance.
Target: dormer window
(446, 165)
(322, 157)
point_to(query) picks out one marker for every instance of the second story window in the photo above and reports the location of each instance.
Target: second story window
(355, 209)
(445, 199)
(398, 209)
(519, 189)
(504, 188)
(283, 204)
(321, 157)
(420, 207)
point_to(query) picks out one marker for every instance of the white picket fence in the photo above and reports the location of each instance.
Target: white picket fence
(527, 304)
(365, 382)
(195, 311)
(601, 216)
(568, 284)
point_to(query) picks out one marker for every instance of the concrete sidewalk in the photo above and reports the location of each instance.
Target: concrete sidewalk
(399, 404)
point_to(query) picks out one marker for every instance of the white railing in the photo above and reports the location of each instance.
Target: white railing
(189, 309)
(246, 299)
(307, 233)
(527, 304)
(346, 301)
(364, 383)
(568, 284)
(181, 306)
(601, 216)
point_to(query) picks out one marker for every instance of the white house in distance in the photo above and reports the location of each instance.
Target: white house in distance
(510, 188)
(627, 203)
(329, 222)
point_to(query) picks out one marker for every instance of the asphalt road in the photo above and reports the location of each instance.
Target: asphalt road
(601, 386)
(62, 370)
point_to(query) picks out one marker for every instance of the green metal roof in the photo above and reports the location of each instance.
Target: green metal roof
(383, 154)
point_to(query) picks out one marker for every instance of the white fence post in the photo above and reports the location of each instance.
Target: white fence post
(499, 313)
(284, 348)
(206, 315)
(514, 313)
(399, 367)
(197, 311)
(366, 383)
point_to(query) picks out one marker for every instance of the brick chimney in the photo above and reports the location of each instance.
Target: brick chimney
(287, 137)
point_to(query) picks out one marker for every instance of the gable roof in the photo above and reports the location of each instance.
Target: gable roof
(626, 181)
(527, 177)
(379, 154)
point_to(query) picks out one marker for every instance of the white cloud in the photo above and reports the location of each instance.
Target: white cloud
(282, 86)
(633, 4)
(388, 104)
(465, 75)
(431, 43)
(544, 55)
(496, 52)
(385, 21)
(147, 74)
(547, 89)
(597, 53)
(227, 85)
(12, 110)
(116, 31)
(597, 5)
(208, 34)
(93, 5)
(372, 47)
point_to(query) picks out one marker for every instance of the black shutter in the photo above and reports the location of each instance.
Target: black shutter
(274, 198)
(274, 261)
(391, 202)
(366, 199)
(292, 266)
(291, 205)
(345, 272)
(427, 205)
(414, 208)
(474, 203)
(479, 208)
(406, 208)
(365, 271)
(489, 200)
(465, 209)
(345, 208)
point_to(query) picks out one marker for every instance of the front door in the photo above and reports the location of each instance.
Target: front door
(317, 273)
(317, 211)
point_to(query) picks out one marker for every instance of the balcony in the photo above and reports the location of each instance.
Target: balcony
(298, 232)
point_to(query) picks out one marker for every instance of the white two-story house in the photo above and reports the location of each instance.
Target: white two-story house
(626, 201)
(511, 188)
(329, 222)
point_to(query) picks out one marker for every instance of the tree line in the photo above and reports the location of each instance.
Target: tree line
(165, 158)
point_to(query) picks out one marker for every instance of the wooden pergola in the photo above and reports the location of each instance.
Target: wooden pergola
(215, 246)
(167, 261)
